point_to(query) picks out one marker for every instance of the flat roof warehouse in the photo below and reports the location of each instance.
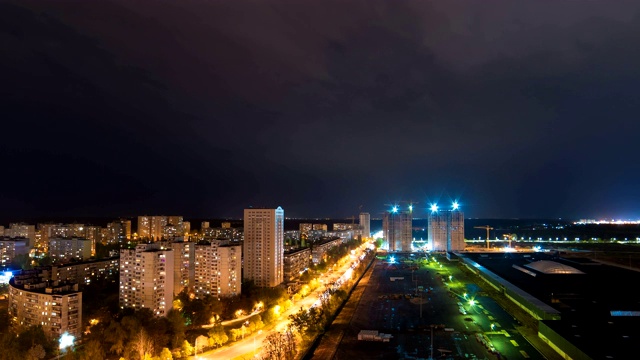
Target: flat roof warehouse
(586, 309)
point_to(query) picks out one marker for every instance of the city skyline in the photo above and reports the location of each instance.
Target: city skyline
(122, 108)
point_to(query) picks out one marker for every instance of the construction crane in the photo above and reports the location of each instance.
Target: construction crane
(487, 227)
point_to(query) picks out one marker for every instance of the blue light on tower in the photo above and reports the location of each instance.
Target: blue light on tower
(394, 209)
(434, 207)
(455, 205)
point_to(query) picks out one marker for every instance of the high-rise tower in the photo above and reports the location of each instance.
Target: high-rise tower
(446, 228)
(264, 246)
(397, 229)
(365, 224)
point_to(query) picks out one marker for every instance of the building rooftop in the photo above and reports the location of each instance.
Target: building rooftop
(597, 302)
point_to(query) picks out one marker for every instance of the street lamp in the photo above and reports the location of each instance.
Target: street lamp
(65, 341)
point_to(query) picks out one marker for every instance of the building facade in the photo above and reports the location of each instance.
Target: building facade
(319, 250)
(397, 227)
(22, 230)
(55, 306)
(264, 246)
(10, 247)
(229, 269)
(119, 231)
(446, 230)
(65, 249)
(86, 271)
(296, 261)
(217, 268)
(183, 265)
(365, 224)
(146, 278)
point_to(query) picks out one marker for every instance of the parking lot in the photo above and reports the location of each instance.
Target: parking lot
(411, 299)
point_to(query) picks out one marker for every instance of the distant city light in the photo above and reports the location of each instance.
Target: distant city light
(607, 222)
(434, 207)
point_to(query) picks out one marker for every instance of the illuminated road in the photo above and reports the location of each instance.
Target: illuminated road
(252, 343)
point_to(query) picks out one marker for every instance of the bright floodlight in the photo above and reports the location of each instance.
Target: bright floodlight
(66, 340)
(434, 207)
(455, 205)
(394, 209)
(410, 207)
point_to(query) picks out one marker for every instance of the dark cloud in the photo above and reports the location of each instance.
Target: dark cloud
(520, 109)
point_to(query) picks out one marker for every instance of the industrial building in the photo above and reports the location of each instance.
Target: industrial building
(585, 309)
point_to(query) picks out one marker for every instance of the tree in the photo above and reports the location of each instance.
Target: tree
(34, 335)
(159, 331)
(9, 347)
(116, 336)
(279, 346)
(300, 321)
(177, 328)
(236, 333)
(142, 345)
(165, 354)
(45, 261)
(217, 336)
(36, 352)
(186, 349)
(92, 351)
(22, 261)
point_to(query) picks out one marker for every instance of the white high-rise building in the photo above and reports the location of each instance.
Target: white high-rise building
(446, 229)
(365, 225)
(264, 246)
(146, 278)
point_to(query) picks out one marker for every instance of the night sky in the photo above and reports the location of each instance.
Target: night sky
(519, 109)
